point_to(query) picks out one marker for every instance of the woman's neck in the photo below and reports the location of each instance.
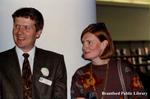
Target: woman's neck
(100, 61)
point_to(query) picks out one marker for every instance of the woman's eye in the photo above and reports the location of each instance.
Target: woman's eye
(90, 42)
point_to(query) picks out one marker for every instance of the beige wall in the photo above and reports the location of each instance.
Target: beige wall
(125, 22)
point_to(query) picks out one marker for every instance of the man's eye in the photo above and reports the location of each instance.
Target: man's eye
(27, 27)
(17, 26)
(24, 27)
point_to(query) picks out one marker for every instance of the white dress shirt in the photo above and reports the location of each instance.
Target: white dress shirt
(21, 58)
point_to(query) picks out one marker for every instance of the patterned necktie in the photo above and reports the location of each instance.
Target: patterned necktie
(26, 78)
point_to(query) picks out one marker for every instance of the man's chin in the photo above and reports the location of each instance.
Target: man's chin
(20, 46)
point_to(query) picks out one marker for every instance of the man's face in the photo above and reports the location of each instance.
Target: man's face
(24, 33)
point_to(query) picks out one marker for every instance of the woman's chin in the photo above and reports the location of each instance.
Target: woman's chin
(87, 58)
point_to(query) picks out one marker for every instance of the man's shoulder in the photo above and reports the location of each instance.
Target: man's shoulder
(7, 52)
(44, 52)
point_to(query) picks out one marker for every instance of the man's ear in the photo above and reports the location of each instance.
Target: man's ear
(38, 33)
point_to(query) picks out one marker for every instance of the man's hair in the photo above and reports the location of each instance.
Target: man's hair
(31, 13)
(101, 32)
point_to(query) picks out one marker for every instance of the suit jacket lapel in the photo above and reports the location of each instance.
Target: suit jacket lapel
(37, 63)
(36, 75)
(14, 73)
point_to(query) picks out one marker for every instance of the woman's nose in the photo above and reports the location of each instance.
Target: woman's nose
(84, 47)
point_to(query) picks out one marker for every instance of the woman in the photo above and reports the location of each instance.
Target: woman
(104, 77)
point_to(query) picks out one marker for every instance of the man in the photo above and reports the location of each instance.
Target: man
(44, 76)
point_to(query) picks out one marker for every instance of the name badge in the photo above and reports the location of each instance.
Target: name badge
(45, 81)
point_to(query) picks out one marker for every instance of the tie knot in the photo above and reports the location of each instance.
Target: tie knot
(26, 55)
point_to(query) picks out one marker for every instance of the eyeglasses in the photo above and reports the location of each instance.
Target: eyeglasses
(23, 27)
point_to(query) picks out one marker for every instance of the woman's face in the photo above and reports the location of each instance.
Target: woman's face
(91, 46)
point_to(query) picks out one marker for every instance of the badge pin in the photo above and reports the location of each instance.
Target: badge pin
(45, 71)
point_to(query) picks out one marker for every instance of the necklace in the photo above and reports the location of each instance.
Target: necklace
(105, 82)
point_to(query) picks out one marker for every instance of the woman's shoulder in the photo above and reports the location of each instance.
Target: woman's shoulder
(125, 65)
(82, 69)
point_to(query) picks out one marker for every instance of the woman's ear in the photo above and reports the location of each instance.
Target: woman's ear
(38, 33)
(105, 43)
(103, 47)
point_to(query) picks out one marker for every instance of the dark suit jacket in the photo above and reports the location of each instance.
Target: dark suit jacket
(10, 76)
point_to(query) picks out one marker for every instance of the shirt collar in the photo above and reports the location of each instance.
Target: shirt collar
(20, 52)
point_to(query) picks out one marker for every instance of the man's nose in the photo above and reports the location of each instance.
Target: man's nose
(21, 29)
